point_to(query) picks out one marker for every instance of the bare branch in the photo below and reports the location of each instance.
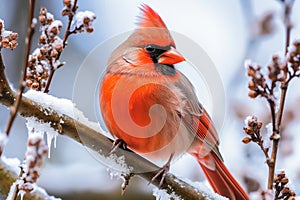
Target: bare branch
(14, 108)
(8, 177)
(68, 32)
(284, 86)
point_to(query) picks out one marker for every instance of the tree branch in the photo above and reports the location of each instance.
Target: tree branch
(8, 177)
(284, 86)
(68, 32)
(15, 106)
(94, 140)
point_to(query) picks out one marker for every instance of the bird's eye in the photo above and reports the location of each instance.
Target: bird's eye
(149, 48)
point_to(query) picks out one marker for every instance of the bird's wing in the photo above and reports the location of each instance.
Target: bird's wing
(195, 117)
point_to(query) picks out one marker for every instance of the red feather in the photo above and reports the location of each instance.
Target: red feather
(150, 18)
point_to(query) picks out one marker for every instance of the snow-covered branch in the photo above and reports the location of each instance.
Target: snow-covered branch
(8, 176)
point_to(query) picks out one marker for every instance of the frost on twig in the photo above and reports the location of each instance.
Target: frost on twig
(37, 193)
(252, 129)
(83, 22)
(63, 107)
(293, 59)
(45, 58)
(7, 38)
(282, 191)
(39, 128)
(32, 164)
(259, 85)
(33, 161)
(281, 70)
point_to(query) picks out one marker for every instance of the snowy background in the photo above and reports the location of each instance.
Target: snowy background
(228, 33)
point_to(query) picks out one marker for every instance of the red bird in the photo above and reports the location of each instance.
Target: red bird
(153, 108)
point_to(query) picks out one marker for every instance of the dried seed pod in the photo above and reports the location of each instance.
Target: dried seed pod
(252, 94)
(59, 48)
(42, 39)
(246, 140)
(67, 3)
(42, 19)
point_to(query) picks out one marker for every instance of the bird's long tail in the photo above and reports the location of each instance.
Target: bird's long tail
(220, 178)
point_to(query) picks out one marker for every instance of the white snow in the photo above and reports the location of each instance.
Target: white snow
(250, 118)
(202, 187)
(39, 128)
(163, 195)
(42, 192)
(39, 69)
(199, 186)
(83, 21)
(33, 22)
(49, 16)
(247, 63)
(117, 165)
(57, 63)
(11, 191)
(6, 33)
(11, 163)
(79, 17)
(36, 189)
(35, 52)
(62, 107)
(57, 24)
(269, 128)
(57, 41)
(3, 140)
(72, 3)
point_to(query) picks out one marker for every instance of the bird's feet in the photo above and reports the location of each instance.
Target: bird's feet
(118, 143)
(126, 178)
(163, 171)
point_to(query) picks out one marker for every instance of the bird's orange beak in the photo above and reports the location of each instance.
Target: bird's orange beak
(170, 57)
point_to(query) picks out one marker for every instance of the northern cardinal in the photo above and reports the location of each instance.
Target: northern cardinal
(153, 108)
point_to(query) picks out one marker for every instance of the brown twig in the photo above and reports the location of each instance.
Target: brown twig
(68, 32)
(287, 21)
(8, 177)
(284, 86)
(253, 132)
(70, 16)
(15, 106)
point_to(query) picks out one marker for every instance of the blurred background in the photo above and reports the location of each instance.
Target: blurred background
(228, 31)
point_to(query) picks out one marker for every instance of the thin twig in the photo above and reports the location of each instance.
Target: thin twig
(15, 106)
(287, 20)
(284, 86)
(65, 38)
(68, 32)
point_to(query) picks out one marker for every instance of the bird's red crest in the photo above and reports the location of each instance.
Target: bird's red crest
(150, 18)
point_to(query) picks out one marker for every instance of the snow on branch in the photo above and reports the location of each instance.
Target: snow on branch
(84, 21)
(7, 38)
(9, 170)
